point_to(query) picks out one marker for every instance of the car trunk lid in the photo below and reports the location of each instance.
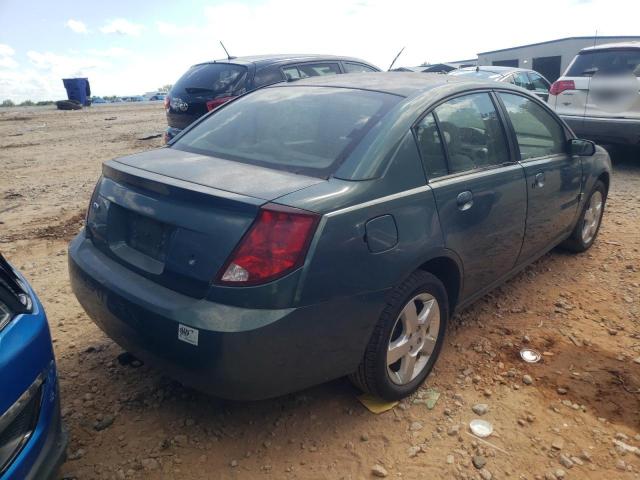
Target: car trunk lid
(175, 217)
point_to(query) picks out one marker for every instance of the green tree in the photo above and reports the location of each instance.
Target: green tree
(7, 103)
(165, 88)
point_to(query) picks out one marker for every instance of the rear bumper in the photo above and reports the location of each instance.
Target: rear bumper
(605, 130)
(241, 353)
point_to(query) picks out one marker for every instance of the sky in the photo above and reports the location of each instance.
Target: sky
(129, 47)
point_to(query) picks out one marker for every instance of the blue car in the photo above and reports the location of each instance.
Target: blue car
(32, 440)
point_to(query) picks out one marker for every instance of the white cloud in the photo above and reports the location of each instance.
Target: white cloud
(373, 30)
(112, 52)
(173, 30)
(122, 27)
(6, 54)
(76, 25)
(63, 65)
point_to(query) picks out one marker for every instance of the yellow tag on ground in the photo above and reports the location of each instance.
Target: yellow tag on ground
(374, 404)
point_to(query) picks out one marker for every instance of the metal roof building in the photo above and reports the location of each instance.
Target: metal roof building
(549, 58)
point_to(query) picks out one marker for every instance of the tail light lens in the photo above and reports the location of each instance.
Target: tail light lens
(562, 85)
(216, 102)
(275, 245)
(167, 102)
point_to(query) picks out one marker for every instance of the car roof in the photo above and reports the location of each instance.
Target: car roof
(495, 69)
(611, 46)
(266, 60)
(404, 84)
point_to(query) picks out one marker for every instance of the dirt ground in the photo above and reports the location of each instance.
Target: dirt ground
(569, 416)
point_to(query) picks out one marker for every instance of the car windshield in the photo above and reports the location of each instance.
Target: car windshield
(606, 62)
(486, 74)
(307, 130)
(211, 78)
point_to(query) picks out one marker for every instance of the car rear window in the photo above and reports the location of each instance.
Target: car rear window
(301, 129)
(606, 62)
(212, 78)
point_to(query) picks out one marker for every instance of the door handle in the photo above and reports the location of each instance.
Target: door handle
(539, 180)
(464, 200)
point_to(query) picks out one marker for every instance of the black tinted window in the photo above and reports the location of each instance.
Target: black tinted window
(606, 62)
(472, 132)
(318, 69)
(212, 78)
(295, 72)
(267, 76)
(357, 68)
(430, 146)
(537, 132)
(300, 129)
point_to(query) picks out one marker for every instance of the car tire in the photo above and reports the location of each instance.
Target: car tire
(68, 105)
(378, 373)
(588, 225)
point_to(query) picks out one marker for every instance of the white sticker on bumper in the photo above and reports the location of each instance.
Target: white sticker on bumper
(188, 334)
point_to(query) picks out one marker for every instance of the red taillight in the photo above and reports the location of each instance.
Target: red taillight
(562, 85)
(276, 244)
(167, 102)
(216, 102)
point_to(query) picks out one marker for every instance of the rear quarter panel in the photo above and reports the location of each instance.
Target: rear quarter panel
(342, 264)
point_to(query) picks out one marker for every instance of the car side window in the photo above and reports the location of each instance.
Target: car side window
(537, 132)
(350, 67)
(292, 73)
(430, 147)
(472, 132)
(539, 83)
(520, 79)
(318, 69)
(267, 76)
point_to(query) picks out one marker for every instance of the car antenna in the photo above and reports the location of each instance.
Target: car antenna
(229, 57)
(394, 60)
(595, 38)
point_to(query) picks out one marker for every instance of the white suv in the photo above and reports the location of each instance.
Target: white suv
(599, 94)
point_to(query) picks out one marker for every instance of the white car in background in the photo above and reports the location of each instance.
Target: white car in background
(599, 94)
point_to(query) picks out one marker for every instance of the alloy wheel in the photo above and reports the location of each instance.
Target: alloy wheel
(413, 339)
(592, 216)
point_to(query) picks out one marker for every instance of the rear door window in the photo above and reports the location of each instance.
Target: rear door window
(522, 80)
(267, 76)
(350, 67)
(318, 69)
(606, 62)
(472, 132)
(537, 132)
(216, 79)
(306, 130)
(291, 73)
(538, 83)
(430, 146)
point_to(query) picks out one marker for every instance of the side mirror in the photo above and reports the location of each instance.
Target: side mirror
(581, 147)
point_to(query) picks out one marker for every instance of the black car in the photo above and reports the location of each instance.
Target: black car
(206, 86)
